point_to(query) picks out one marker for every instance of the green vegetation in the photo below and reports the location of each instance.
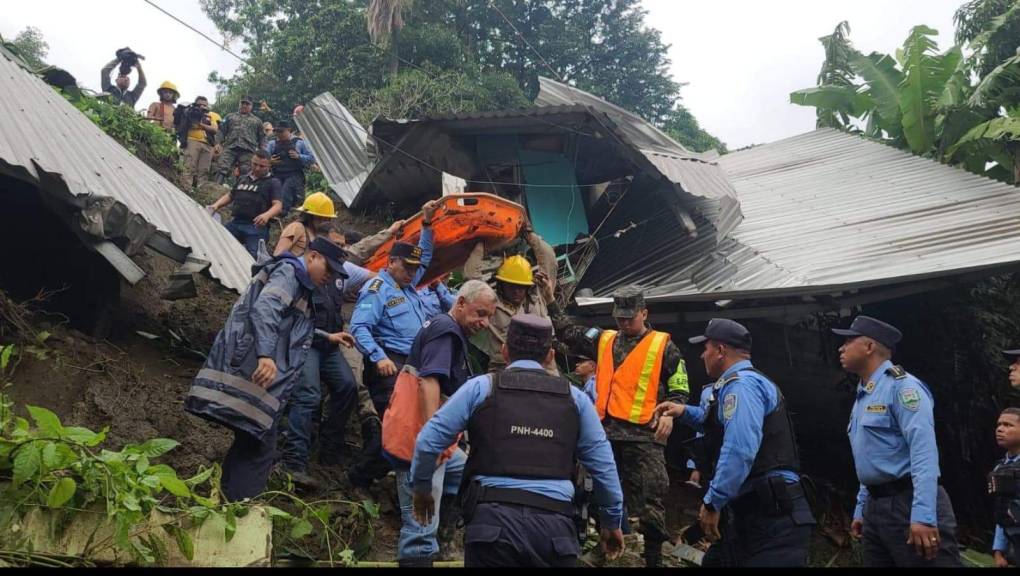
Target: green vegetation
(938, 104)
(442, 56)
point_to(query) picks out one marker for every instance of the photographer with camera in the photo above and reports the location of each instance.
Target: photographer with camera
(196, 129)
(127, 59)
(240, 137)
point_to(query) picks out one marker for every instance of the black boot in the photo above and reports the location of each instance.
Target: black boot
(653, 554)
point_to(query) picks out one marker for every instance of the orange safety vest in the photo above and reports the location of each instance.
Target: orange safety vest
(631, 391)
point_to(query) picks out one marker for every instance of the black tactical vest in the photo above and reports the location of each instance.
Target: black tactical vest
(778, 448)
(1004, 486)
(249, 198)
(286, 165)
(527, 428)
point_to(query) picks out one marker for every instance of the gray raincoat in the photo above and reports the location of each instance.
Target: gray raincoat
(273, 319)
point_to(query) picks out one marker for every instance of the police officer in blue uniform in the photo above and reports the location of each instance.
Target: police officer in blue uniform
(526, 428)
(1004, 483)
(390, 312)
(751, 459)
(902, 513)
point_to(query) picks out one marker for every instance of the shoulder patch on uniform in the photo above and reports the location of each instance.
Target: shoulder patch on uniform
(375, 285)
(910, 399)
(729, 406)
(876, 409)
(339, 283)
(898, 372)
(395, 301)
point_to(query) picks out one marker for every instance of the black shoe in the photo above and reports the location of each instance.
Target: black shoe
(415, 562)
(330, 457)
(304, 481)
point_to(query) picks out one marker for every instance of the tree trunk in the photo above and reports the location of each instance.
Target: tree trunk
(394, 54)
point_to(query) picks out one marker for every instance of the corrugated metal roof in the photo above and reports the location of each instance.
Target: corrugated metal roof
(340, 144)
(695, 174)
(45, 140)
(828, 212)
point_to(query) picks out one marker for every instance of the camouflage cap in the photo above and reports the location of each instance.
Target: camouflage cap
(529, 334)
(628, 301)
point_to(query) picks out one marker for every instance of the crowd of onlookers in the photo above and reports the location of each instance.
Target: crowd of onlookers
(262, 165)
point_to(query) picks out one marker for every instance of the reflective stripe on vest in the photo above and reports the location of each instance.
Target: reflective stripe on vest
(631, 391)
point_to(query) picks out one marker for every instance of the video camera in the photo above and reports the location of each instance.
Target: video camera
(187, 115)
(128, 60)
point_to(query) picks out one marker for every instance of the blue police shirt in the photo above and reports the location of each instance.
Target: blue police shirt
(744, 403)
(438, 301)
(388, 317)
(1001, 543)
(593, 450)
(892, 435)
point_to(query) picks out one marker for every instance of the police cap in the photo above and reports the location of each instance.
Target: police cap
(725, 331)
(409, 253)
(885, 334)
(282, 125)
(628, 301)
(529, 334)
(333, 254)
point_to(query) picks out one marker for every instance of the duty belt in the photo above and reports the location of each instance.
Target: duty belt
(893, 488)
(526, 498)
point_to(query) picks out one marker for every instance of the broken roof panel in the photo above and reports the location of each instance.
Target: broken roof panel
(340, 144)
(695, 174)
(828, 212)
(46, 141)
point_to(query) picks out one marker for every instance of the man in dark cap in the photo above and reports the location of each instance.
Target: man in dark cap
(388, 315)
(526, 429)
(637, 369)
(902, 513)
(256, 360)
(750, 459)
(240, 135)
(290, 157)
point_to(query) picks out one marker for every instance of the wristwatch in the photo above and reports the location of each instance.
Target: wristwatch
(426, 223)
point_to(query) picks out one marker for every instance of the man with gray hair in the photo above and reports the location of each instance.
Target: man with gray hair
(435, 368)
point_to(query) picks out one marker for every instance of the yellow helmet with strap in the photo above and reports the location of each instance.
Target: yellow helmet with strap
(516, 270)
(168, 85)
(318, 204)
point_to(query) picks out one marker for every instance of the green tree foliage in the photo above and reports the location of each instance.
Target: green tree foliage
(31, 47)
(929, 102)
(992, 27)
(299, 49)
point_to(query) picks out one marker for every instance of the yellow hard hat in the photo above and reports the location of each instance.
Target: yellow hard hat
(318, 204)
(515, 270)
(168, 85)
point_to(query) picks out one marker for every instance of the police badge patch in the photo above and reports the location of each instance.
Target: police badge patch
(870, 386)
(729, 406)
(910, 399)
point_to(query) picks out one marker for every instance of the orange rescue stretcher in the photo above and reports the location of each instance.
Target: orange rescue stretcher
(460, 222)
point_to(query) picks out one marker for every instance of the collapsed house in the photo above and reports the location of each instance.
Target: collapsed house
(790, 238)
(78, 207)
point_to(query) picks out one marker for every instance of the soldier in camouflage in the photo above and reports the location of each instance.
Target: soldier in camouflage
(239, 137)
(625, 396)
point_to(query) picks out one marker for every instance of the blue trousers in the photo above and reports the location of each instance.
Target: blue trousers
(247, 465)
(248, 234)
(519, 536)
(887, 525)
(292, 189)
(322, 369)
(417, 541)
(758, 540)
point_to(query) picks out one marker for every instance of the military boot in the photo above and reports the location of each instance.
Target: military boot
(653, 554)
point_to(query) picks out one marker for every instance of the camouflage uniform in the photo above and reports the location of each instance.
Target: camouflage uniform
(640, 459)
(240, 136)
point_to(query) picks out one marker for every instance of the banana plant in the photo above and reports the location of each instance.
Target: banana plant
(930, 103)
